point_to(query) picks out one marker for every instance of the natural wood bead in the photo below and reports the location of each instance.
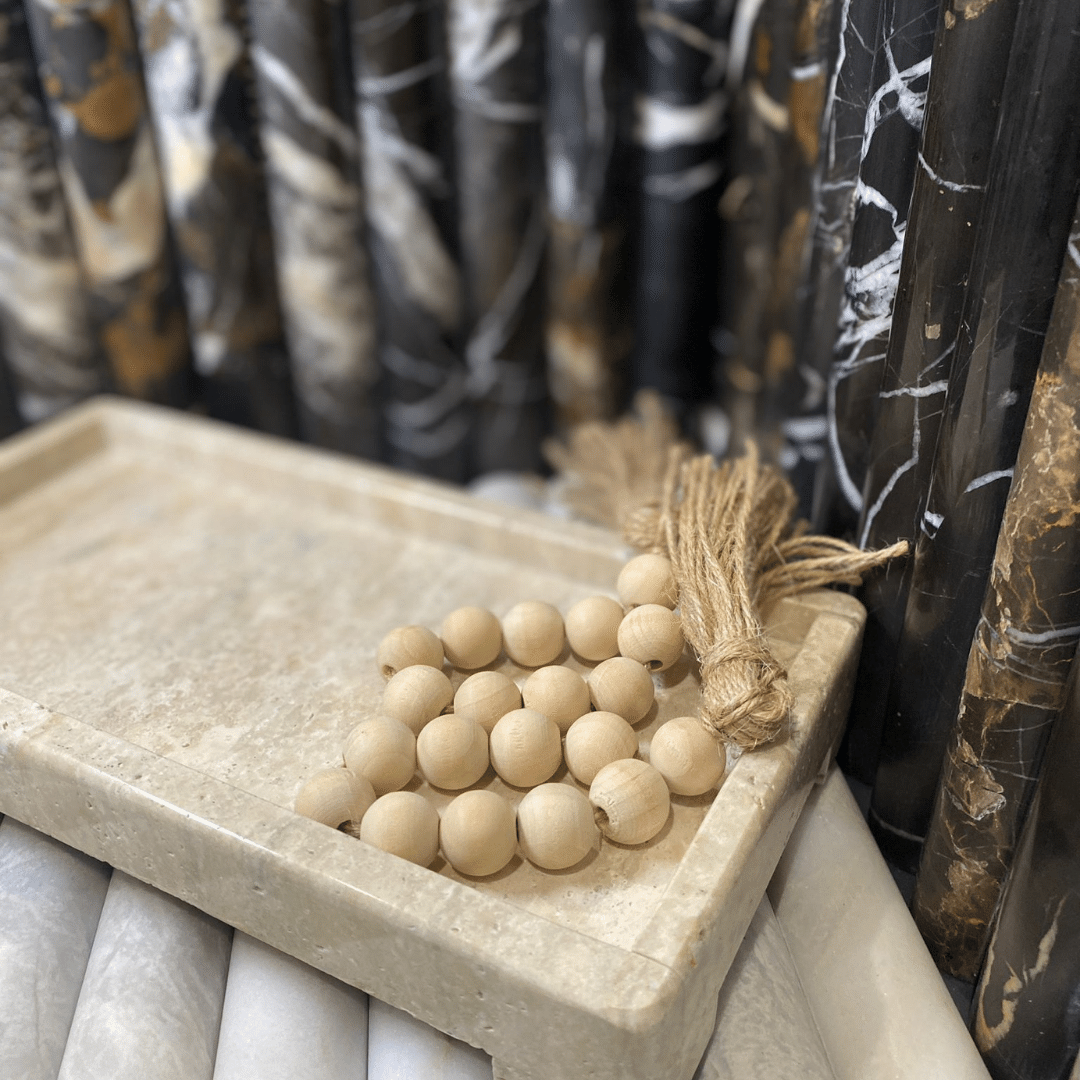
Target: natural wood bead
(592, 626)
(596, 740)
(687, 756)
(526, 748)
(560, 693)
(452, 752)
(404, 824)
(647, 579)
(487, 696)
(334, 796)
(622, 686)
(383, 750)
(556, 828)
(407, 646)
(471, 637)
(533, 633)
(478, 833)
(652, 635)
(416, 695)
(631, 801)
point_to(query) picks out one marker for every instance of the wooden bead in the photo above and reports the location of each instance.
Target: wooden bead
(556, 828)
(647, 579)
(416, 695)
(592, 626)
(526, 748)
(652, 635)
(334, 796)
(631, 801)
(595, 740)
(560, 693)
(533, 633)
(383, 750)
(404, 824)
(452, 752)
(471, 637)
(622, 686)
(407, 646)
(687, 756)
(478, 833)
(486, 697)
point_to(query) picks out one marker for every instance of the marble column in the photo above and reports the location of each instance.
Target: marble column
(196, 67)
(1026, 1021)
(1034, 180)
(402, 99)
(496, 64)
(1018, 665)
(50, 347)
(299, 52)
(888, 160)
(90, 73)
(151, 1000)
(971, 56)
(50, 903)
(282, 1019)
(680, 114)
(400, 1047)
(588, 325)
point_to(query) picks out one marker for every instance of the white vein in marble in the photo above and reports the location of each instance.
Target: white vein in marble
(282, 1019)
(50, 901)
(150, 1003)
(400, 1047)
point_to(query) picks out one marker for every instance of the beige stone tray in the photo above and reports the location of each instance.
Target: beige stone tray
(188, 622)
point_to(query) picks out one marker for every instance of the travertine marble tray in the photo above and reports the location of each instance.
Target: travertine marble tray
(188, 623)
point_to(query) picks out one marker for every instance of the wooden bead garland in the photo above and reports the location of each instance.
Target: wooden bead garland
(335, 796)
(533, 633)
(652, 635)
(416, 695)
(404, 824)
(631, 801)
(595, 740)
(452, 752)
(592, 627)
(647, 579)
(485, 697)
(407, 646)
(560, 693)
(383, 750)
(687, 756)
(622, 686)
(526, 748)
(478, 833)
(555, 826)
(471, 638)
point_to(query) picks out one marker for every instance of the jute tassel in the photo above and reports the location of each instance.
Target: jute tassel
(734, 546)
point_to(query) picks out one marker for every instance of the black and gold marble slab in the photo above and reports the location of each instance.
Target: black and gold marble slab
(1034, 179)
(50, 347)
(90, 73)
(198, 87)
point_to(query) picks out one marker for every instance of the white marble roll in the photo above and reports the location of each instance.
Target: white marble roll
(400, 1047)
(50, 901)
(283, 1019)
(764, 1026)
(150, 1004)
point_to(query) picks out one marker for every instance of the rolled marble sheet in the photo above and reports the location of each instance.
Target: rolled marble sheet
(971, 57)
(282, 1019)
(194, 59)
(10, 421)
(50, 903)
(90, 73)
(1018, 665)
(299, 52)
(888, 160)
(1026, 1020)
(50, 348)
(588, 336)
(400, 1047)
(1034, 178)
(402, 99)
(150, 1003)
(496, 55)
